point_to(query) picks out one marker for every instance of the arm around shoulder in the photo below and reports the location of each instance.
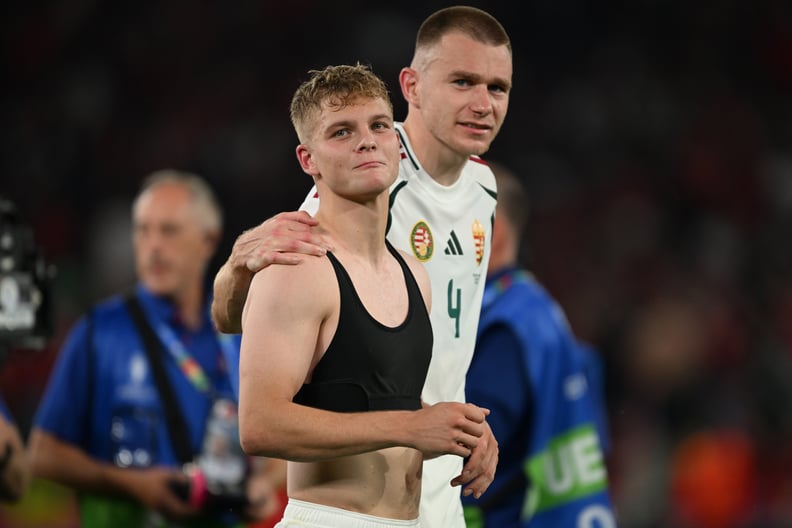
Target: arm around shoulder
(230, 291)
(281, 239)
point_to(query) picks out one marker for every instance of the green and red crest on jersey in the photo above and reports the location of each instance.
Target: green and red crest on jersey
(422, 241)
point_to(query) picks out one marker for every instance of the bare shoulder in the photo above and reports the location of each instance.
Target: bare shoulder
(313, 271)
(309, 286)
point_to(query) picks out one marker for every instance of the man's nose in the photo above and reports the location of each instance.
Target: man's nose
(482, 102)
(367, 142)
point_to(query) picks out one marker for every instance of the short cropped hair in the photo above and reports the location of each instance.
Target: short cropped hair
(335, 87)
(204, 198)
(470, 21)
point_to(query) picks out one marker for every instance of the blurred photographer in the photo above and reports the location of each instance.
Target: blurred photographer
(25, 320)
(138, 408)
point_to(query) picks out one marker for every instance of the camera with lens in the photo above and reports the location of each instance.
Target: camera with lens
(25, 280)
(217, 479)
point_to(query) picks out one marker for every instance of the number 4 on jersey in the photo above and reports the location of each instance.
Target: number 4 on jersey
(454, 308)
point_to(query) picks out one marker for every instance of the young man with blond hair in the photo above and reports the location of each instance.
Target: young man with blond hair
(441, 209)
(335, 351)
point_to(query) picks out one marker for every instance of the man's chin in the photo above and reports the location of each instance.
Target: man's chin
(476, 146)
(478, 149)
(159, 288)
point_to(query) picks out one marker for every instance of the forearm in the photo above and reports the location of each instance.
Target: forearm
(231, 286)
(304, 434)
(61, 462)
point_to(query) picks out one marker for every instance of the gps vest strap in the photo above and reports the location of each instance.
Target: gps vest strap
(177, 429)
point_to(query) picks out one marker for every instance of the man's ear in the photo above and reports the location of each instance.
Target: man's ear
(408, 80)
(306, 160)
(212, 238)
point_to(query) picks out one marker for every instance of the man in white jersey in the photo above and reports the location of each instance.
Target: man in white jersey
(442, 206)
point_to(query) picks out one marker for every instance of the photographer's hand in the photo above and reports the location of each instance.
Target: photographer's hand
(154, 488)
(57, 460)
(267, 476)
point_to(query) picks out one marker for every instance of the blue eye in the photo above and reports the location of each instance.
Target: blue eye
(497, 88)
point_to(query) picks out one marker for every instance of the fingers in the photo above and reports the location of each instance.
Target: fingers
(459, 449)
(163, 490)
(475, 423)
(286, 251)
(175, 508)
(476, 413)
(477, 486)
(282, 239)
(479, 471)
(471, 472)
(297, 216)
(450, 428)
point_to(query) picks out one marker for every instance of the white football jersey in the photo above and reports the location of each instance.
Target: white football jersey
(449, 229)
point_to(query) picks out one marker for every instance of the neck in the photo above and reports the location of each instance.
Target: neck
(189, 306)
(355, 228)
(441, 163)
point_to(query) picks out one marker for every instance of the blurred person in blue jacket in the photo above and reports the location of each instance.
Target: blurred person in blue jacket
(102, 426)
(543, 388)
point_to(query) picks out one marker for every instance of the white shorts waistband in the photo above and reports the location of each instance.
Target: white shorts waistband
(309, 514)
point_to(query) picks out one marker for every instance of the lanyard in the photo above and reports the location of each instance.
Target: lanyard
(494, 289)
(187, 363)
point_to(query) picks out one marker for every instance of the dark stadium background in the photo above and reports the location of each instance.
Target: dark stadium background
(655, 138)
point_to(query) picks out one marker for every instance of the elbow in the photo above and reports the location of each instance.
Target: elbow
(258, 442)
(217, 318)
(220, 319)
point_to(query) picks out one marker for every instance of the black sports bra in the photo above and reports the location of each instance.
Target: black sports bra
(369, 366)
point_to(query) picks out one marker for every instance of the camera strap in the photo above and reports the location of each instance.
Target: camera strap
(155, 350)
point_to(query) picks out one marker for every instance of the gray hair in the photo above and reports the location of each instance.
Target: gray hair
(204, 198)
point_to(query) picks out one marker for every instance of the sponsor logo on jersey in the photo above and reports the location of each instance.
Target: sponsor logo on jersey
(453, 247)
(478, 240)
(421, 241)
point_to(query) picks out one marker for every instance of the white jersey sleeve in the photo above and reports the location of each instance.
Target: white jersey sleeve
(311, 203)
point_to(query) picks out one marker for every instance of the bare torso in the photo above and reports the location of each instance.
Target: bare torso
(384, 483)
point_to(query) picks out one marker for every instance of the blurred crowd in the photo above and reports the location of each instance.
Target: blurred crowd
(654, 137)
